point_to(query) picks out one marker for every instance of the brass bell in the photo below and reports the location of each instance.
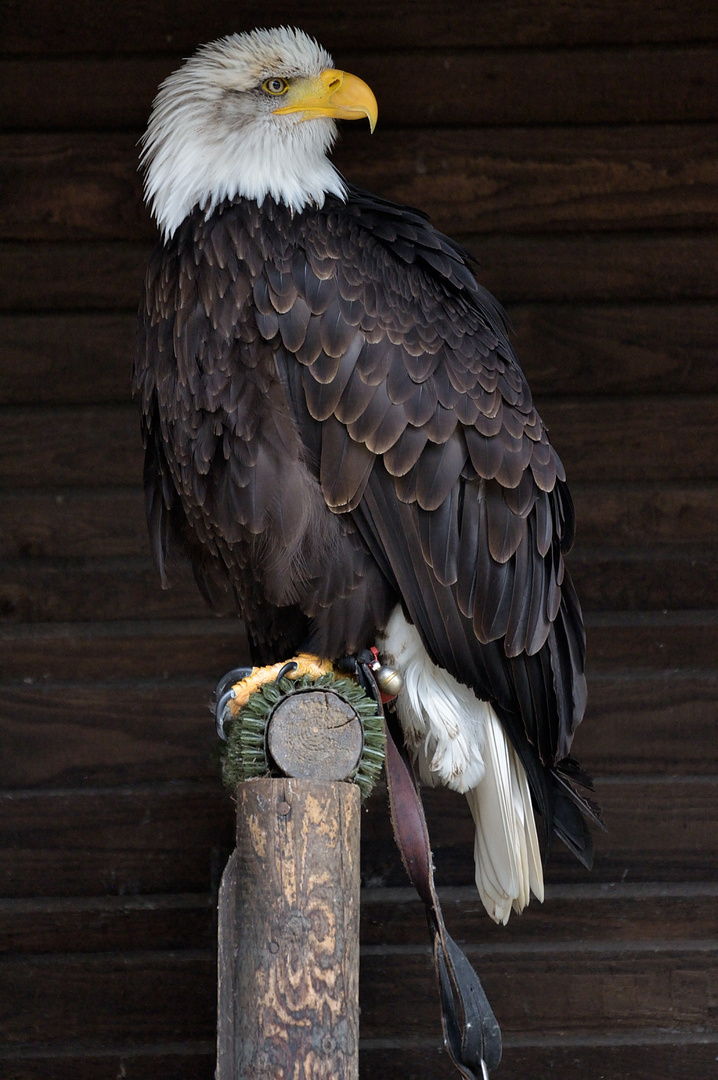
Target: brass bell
(389, 680)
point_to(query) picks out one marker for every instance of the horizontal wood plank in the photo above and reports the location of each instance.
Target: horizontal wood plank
(617, 349)
(110, 522)
(171, 838)
(550, 994)
(77, 735)
(392, 1060)
(609, 85)
(654, 266)
(658, 913)
(39, 276)
(167, 838)
(107, 924)
(564, 350)
(543, 179)
(650, 724)
(37, 590)
(653, 640)
(70, 181)
(182, 1060)
(655, 439)
(171, 995)
(562, 1059)
(629, 515)
(655, 831)
(86, 186)
(628, 439)
(645, 579)
(670, 267)
(45, 447)
(160, 995)
(84, 736)
(78, 26)
(72, 523)
(83, 590)
(658, 830)
(205, 648)
(200, 648)
(66, 358)
(597, 913)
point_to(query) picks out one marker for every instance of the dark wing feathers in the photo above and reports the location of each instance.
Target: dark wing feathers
(454, 410)
(355, 362)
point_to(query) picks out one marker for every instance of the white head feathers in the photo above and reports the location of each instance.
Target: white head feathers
(213, 134)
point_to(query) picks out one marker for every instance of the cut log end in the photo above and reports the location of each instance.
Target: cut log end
(315, 735)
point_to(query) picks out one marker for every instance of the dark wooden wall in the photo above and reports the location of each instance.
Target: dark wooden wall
(574, 148)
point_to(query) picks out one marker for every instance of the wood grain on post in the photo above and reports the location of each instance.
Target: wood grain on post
(289, 934)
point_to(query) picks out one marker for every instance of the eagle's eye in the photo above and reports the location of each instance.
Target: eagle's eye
(275, 86)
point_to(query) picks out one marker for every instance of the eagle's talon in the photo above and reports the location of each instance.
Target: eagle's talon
(288, 669)
(221, 709)
(230, 699)
(229, 679)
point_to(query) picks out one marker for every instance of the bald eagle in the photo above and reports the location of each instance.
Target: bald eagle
(339, 435)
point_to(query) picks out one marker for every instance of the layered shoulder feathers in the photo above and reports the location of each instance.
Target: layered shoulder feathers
(367, 332)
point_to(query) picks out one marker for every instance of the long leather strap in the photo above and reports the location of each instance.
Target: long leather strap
(471, 1033)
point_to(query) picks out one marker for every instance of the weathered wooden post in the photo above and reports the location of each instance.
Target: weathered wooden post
(288, 994)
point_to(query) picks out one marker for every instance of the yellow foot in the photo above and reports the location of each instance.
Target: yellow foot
(307, 664)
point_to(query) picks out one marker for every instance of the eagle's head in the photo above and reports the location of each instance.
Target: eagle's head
(250, 115)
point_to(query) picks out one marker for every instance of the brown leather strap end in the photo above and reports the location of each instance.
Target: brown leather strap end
(471, 1034)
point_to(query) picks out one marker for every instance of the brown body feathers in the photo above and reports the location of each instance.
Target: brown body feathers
(335, 422)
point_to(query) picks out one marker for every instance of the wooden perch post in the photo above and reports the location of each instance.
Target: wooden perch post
(289, 905)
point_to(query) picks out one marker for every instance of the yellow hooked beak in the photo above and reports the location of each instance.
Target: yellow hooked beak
(333, 93)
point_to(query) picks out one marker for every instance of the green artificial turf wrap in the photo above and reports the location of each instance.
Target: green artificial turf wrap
(245, 757)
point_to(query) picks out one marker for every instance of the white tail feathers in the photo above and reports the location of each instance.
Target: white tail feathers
(458, 740)
(506, 849)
